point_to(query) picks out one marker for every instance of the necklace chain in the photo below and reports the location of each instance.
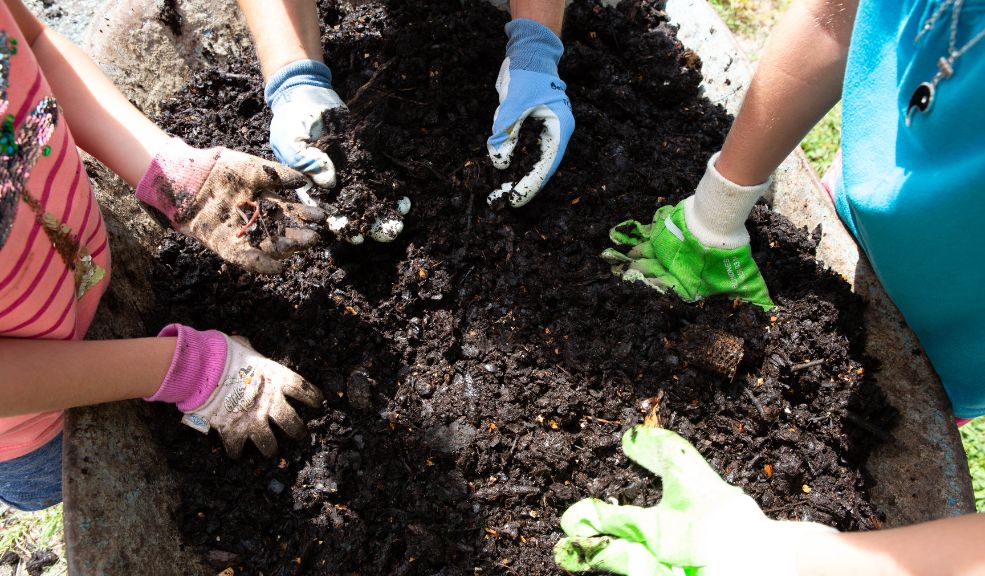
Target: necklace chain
(952, 53)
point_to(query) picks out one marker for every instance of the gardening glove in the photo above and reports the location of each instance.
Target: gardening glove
(529, 86)
(698, 248)
(214, 196)
(298, 94)
(221, 382)
(703, 526)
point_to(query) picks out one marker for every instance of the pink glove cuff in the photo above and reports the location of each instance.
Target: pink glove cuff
(175, 175)
(196, 367)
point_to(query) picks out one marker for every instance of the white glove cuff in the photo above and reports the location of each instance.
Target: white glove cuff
(716, 214)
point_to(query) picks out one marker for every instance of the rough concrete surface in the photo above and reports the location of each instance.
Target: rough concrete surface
(69, 17)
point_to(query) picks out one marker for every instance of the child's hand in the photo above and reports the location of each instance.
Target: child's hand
(698, 248)
(529, 87)
(298, 94)
(215, 197)
(221, 382)
(703, 526)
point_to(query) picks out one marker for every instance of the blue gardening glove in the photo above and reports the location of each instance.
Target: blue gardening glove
(529, 86)
(297, 94)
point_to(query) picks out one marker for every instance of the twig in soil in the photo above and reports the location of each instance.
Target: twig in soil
(266, 231)
(782, 508)
(236, 76)
(756, 402)
(806, 365)
(468, 216)
(369, 83)
(603, 420)
(395, 97)
(413, 172)
(869, 427)
(652, 408)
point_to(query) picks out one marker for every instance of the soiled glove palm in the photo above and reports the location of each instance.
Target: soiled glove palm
(529, 87)
(252, 391)
(213, 196)
(666, 255)
(702, 525)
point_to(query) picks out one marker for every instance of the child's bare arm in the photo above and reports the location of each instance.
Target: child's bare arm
(951, 546)
(284, 31)
(43, 375)
(103, 121)
(798, 79)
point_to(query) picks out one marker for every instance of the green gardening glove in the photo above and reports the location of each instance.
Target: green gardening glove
(703, 526)
(711, 256)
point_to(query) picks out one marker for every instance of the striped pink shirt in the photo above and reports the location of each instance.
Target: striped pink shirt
(38, 297)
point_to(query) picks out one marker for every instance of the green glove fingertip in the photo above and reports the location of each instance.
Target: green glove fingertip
(609, 555)
(576, 553)
(686, 475)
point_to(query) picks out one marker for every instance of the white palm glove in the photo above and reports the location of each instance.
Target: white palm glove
(298, 94)
(529, 87)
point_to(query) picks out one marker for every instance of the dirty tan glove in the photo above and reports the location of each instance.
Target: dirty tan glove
(221, 382)
(223, 199)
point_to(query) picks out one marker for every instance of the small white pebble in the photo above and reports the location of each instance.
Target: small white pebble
(336, 223)
(403, 205)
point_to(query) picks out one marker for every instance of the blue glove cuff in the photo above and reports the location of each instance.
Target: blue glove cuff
(533, 47)
(299, 73)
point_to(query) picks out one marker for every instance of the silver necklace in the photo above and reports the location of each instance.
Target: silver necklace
(922, 99)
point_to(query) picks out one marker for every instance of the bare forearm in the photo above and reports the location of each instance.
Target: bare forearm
(797, 81)
(550, 13)
(951, 546)
(41, 375)
(283, 31)
(103, 122)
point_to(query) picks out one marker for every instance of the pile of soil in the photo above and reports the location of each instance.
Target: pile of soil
(479, 370)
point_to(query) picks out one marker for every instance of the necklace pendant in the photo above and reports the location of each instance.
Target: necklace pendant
(922, 100)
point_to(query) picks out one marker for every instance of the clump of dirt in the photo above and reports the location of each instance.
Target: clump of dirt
(480, 369)
(40, 560)
(366, 191)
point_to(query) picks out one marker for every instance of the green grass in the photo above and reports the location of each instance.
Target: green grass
(973, 438)
(750, 18)
(25, 532)
(823, 141)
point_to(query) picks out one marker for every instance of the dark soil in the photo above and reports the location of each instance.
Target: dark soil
(171, 17)
(40, 560)
(480, 369)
